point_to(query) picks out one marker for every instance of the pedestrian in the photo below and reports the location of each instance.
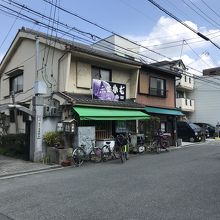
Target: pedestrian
(122, 142)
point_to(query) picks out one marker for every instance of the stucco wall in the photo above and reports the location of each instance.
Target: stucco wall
(144, 98)
(80, 77)
(24, 57)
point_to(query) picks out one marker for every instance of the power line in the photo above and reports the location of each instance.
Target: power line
(203, 15)
(210, 8)
(40, 23)
(10, 29)
(103, 28)
(181, 22)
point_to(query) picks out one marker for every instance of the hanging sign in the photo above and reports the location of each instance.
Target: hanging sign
(108, 90)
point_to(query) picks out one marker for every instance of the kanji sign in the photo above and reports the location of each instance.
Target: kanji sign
(108, 90)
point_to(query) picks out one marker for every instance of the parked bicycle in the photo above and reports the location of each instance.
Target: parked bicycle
(119, 151)
(122, 147)
(108, 152)
(81, 154)
(160, 141)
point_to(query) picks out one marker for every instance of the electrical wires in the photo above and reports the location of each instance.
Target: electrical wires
(65, 30)
(184, 24)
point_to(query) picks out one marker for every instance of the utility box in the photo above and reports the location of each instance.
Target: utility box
(40, 88)
(137, 143)
(85, 136)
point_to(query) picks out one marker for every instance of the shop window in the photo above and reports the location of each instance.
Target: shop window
(163, 126)
(157, 87)
(101, 74)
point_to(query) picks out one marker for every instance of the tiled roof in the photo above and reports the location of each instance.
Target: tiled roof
(83, 99)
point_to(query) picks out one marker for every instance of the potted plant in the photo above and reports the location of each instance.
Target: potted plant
(53, 139)
(55, 146)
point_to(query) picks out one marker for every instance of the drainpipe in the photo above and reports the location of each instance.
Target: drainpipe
(58, 76)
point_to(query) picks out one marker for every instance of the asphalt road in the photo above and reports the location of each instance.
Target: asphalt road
(181, 184)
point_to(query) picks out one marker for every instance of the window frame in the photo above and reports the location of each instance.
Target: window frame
(100, 69)
(157, 94)
(12, 79)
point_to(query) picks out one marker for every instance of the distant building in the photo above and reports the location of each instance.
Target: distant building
(206, 93)
(120, 46)
(212, 71)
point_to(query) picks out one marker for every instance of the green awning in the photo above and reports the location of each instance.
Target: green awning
(96, 113)
(163, 111)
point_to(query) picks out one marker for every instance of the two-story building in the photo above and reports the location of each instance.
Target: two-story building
(157, 92)
(184, 85)
(156, 86)
(77, 83)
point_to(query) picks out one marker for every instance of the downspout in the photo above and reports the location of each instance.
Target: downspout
(136, 91)
(58, 76)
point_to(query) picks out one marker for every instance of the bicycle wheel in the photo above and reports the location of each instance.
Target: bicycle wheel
(78, 156)
(153, 147)
(116, 153)
(165, 144)
(106, 153)
(158, 148)
(96, 154)
(122, 154)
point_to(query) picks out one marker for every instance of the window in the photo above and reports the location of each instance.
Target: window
(185, 79)
(189, 79)
(16, 83)
(157, 87)
(102, 74)
(180, 94)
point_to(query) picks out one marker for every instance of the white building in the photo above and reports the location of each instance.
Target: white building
(206, 93)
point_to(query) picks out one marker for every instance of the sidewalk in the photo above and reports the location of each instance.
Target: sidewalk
(11, 166)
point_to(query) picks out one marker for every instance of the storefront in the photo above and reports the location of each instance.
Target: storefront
(163, 119)
(109, 121)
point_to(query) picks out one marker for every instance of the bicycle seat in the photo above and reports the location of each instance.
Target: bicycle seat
(108, 142)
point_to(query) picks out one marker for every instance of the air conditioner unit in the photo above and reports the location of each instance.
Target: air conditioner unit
(54, 111)
(47, 110)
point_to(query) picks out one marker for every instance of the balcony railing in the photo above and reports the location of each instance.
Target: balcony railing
(185, 104)
(157, 92)
(185, 82)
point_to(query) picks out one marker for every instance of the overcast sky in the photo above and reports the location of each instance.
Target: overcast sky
(137, 20)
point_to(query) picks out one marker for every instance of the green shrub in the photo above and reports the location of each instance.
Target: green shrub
(53, 138)
(15, 145)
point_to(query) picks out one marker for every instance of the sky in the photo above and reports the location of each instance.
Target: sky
(137, 20)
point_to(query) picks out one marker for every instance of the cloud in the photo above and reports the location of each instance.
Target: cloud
(175, 41)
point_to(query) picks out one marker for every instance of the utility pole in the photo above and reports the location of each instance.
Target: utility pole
(36, 151)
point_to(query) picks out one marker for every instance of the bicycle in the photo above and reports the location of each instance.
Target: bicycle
(122, 147)
(109, 152)
(160, 141)
(80, 154)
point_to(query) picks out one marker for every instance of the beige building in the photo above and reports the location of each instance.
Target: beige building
(63, 73)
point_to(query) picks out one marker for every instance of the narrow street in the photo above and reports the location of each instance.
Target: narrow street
(181, 184)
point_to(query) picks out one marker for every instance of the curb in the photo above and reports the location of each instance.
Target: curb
(33, 171)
